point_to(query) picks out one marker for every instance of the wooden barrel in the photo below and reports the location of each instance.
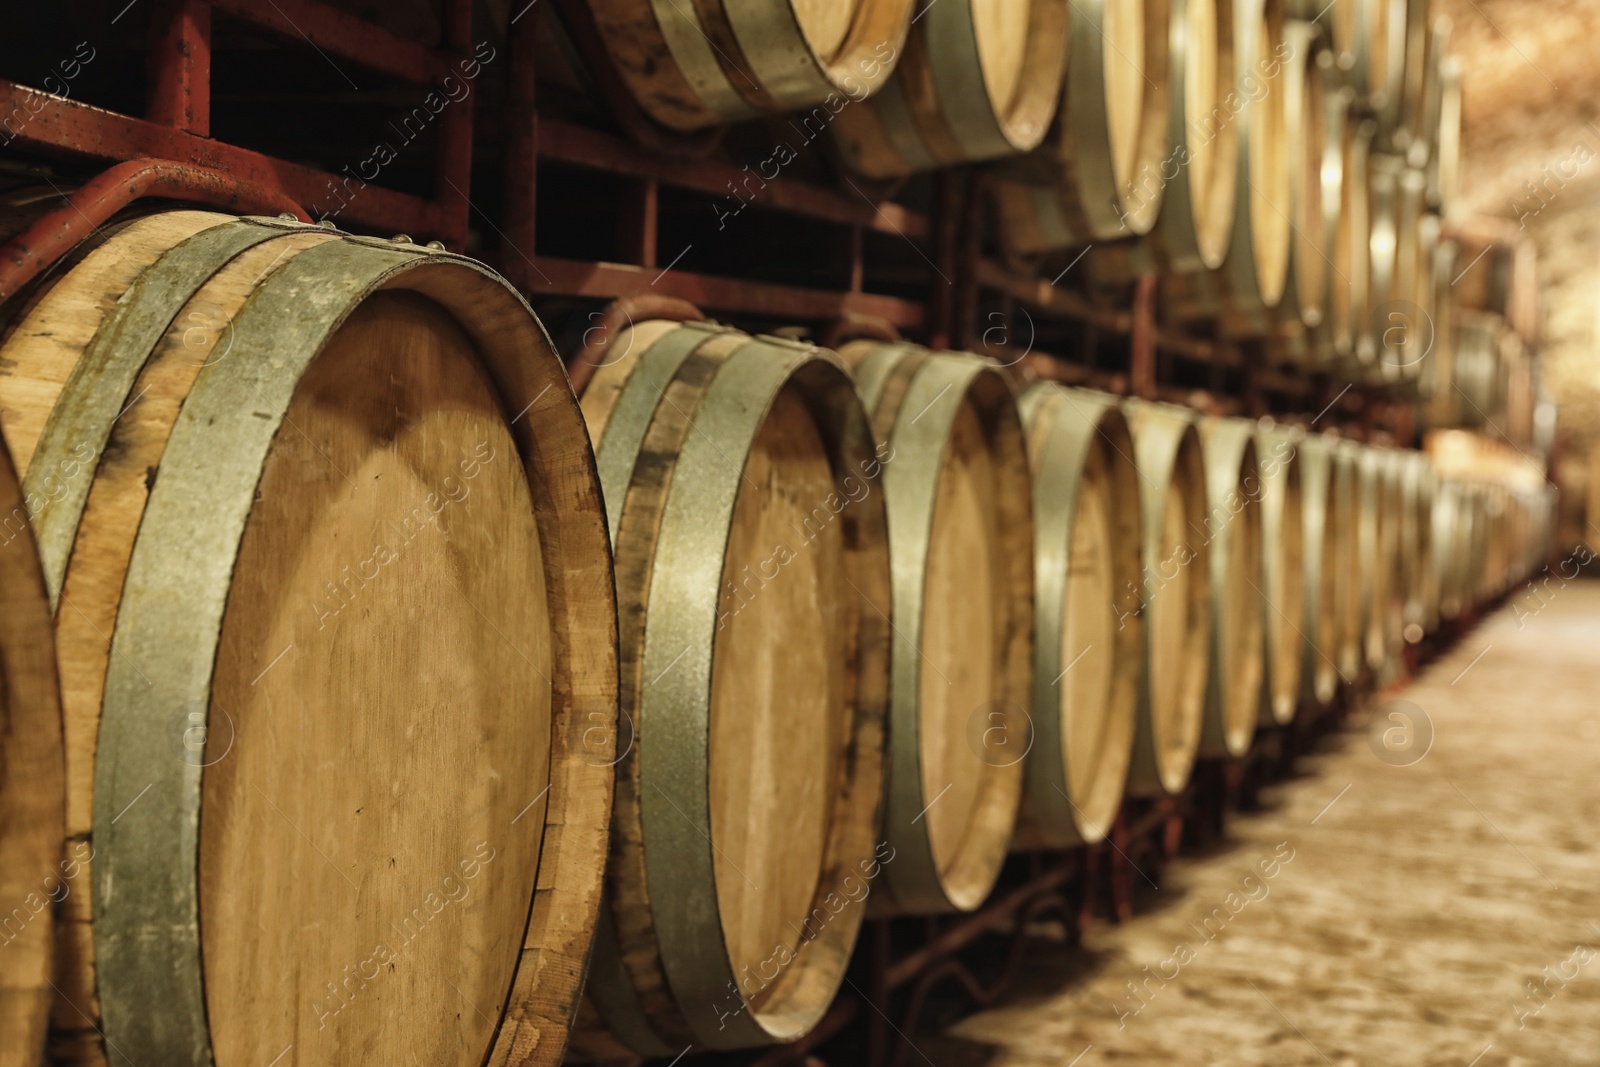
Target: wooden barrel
(1326, 488)
(1079, 187)
(311, 525)
(1476, 393)
(36, 873)
(1283, 572)
(747, 518)
(1400, 332)
(1379, 73)
(1452, 539)
(1232, 531)
(1383, 479)
(1310, 85)
(1243, 294)
(1195, 181)
(692, 65)
(1420, 487)
(1429, 46)
(978, 80)
(1350, 306)
(1337, 22)
(1089, 632)
(961, 528)
(1175, 594)
(1359, 566)
(1444, 164)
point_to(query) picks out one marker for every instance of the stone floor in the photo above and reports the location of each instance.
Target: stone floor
(1409, 901)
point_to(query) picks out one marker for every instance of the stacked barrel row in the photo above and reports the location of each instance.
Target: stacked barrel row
(1282, 165)
(888, 615)
(321, 714)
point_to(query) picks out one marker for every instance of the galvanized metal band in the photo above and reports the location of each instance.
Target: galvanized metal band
(1074, 425)
(956, 67)
(697, 60)
(146, 890)
(675, 709)
(775, 46)
(96, 391)
(923, 421)
(625, 430)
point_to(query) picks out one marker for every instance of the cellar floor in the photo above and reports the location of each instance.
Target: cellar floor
(1419, 899)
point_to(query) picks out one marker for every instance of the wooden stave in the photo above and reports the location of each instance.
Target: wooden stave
(1067, 193)
(891, 379)
(1244, 293)
(687, 66)
(1167, 446)
(937, 108)
(1284, 567)
(544, 985)
(32, 784)
(1236, 677)
(1064, 424)
(690, 961)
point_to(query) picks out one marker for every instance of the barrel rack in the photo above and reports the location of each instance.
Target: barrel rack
(971, 301)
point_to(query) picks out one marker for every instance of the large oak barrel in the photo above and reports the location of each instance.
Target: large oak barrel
(1400, 247)
(338, 764)
(1326, 488)
(1088, 629)
(1232, 531)
(35, 873)
(978, 80)
(1337, 23)
(1244, 292)
(1079, 186)
(700, 64)
(1194, 182)
(961, 526)
(747, 517)
(1175, 596)
(1444, 164)
(1283, 572)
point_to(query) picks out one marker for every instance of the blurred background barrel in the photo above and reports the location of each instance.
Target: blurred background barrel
(978, 80)
(36, 871)
(1283, 572)
(748, 522)
(1079, 186)
(959, 496)
(1326, 487)
(1175, 596)
(1089, 633)
(341, 581)
(700, 64)
(1232, 530)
